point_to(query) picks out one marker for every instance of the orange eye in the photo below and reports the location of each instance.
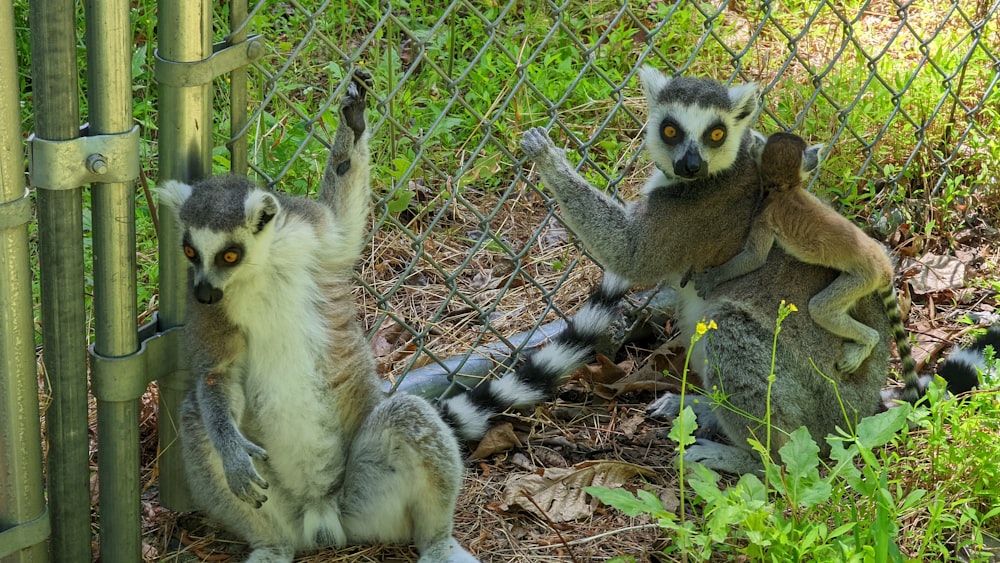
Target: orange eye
(670, 131)
(231, 257)
(189, 251)
(717, 135)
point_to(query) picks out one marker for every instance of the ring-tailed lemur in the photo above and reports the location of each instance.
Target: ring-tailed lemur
(287, 438)
(808, 229)
(696, 213)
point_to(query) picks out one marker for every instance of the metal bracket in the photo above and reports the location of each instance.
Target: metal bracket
(25, 535)
(87, 159)
(225, 58)
(17, 212)
(115, 378)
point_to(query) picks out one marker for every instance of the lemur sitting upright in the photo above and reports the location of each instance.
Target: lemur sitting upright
(287, 438)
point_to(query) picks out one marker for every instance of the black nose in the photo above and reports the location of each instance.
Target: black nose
(691, 165)
(206, 293)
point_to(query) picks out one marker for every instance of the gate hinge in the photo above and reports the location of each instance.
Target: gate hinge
(224, 58)
(87, 159)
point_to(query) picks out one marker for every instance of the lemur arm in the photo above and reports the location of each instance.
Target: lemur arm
(346, 178)
(597, 218)
(218, 392)
(754, 254)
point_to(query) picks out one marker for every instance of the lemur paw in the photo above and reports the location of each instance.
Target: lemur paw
(352, 108)
(536, 143)
(703, 283)
(241, 475)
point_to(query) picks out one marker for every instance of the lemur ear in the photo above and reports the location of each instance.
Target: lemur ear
(653, 82)
(261, 209)
(812, 158)
(173, 194)
(744, 98)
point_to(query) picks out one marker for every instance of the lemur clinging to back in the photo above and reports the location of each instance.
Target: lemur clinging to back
(809, 230)
(287, 437)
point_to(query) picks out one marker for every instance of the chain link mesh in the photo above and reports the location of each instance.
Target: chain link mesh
(466, 250)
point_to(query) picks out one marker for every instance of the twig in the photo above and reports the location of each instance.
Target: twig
(552, 525)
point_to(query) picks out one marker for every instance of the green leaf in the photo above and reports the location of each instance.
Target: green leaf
(684, 426)
(801, 454)
(625, 501)
(878, 429)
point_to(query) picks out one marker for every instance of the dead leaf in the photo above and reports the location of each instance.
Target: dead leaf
(605, 371)
(500, 438)
(631, 424)
(938, 273)
(558, 491)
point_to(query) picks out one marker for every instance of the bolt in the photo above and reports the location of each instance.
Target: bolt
(97, 164)
(255, 49)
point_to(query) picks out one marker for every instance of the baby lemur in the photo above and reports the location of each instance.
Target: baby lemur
(808, 229)
(288, 439)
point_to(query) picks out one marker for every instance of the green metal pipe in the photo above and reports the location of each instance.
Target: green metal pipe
(21, 490)
(185, 123)
(54, 85)
(115, 333)
(237, 91)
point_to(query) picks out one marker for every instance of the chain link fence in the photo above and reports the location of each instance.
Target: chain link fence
(466, 250)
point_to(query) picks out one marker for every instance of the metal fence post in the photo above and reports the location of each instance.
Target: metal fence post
(185, 35)
(113, 212)
(60, 236)
(237, 145)
(21, 490)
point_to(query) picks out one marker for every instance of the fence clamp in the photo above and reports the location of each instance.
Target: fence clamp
(16, 212)
(124, 378)
(25, 535)
(225, 58)
(87, 159)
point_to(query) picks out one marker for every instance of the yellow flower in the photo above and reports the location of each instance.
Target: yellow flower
(792, 308)
(703, 327)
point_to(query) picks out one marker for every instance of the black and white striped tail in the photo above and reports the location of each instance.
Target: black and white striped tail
(913, 388)
(542, 372)
(962, 368)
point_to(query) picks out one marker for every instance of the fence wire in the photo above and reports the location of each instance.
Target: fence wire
(464, 249)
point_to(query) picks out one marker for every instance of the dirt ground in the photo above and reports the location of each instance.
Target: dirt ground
(596, 431)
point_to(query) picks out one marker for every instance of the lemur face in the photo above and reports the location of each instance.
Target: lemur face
(225, 222)
(695, 126)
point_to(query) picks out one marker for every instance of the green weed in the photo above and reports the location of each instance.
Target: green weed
(888, 492)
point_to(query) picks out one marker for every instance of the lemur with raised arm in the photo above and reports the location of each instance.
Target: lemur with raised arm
(696, 212)
(288, 439)
(808, 229)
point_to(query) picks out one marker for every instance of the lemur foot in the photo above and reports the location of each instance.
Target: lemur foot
(855, 353)
(241, 475)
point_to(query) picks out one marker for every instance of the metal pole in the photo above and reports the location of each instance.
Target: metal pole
(185, 115)
(237, 91)
(21, 489)
(113, 211)
(54, 85)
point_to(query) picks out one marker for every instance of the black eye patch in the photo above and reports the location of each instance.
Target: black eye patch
(715, 135)
(671, 132)
(230, 256)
